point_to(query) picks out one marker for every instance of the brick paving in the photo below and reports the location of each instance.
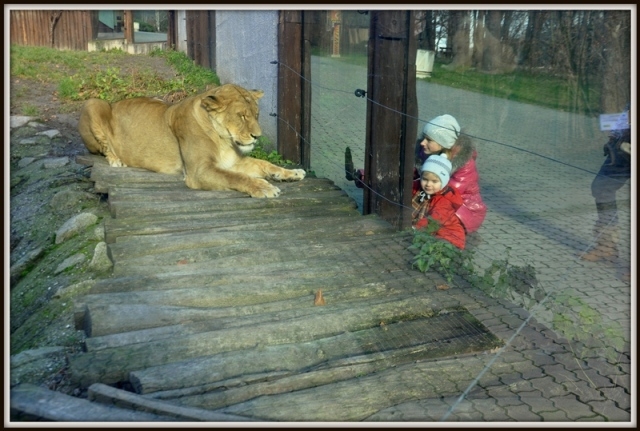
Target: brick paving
(536, 167)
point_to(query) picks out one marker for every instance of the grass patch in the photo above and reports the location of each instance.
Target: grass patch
(549, 91)
(539, 89)
(192, 75)
(30, 111)
(80, 75)
(265, 150)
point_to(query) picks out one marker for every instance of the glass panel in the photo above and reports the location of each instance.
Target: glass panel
(110, 24)
(150, 25)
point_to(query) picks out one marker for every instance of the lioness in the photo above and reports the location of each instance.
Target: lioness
(206, 136)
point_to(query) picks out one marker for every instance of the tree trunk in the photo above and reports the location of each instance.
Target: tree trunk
(460, 40)
(53, 20)
(491, 58)
(616, 86)
(478, 39)
(427, 35)
(530, 51)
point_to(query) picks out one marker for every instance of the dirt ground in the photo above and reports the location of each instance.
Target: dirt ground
(40, 320)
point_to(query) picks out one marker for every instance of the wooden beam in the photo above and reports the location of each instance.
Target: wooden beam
(128, 26)
(391, 116)
(294, 89)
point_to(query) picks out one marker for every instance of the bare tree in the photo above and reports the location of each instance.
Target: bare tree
(459, 34)
(491, 57)
(427, 30)
(616, 76)
(478, 38)
(53, 20)
(530, 54)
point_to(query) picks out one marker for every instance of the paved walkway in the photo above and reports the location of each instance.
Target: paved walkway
(536, 167)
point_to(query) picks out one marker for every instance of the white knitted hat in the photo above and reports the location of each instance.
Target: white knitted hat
(443, 129)
(438, 165)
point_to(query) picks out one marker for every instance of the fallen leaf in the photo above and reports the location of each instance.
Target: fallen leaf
(183, 262)
(442, 287)
(319, 299)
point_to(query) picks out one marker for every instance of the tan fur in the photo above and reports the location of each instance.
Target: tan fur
(205, 136)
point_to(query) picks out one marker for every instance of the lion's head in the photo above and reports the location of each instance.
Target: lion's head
(234, 113)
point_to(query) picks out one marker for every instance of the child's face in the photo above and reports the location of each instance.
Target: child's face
(430, 146)
(430, 183)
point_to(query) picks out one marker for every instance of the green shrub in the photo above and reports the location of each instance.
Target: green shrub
(263, 150)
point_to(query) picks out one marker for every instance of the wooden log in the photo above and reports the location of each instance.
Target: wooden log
(357, 399)
(126, 400)
(263, 244)
(172, 192)
(386, 346)
(214, 276)
(257, 218)
(105, 173)
(244, 256)
(138, 245)
(224, 286)
(35, 403)
(113, 365)
(144, 209)
(124, 312)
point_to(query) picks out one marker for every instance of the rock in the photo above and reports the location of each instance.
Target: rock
(100, 261)
(34, 365)
(27, 356)
(69, 262)
(74, 225)
(26, 132)
(75, 289)
(66, 199)
(22, 264)
(49, 133)
(36, 125)
(34, 140)
(18, 121)
(99, 232)
(57, 162)
(25, 161)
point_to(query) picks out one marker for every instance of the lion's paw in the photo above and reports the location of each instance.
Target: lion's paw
(290, 175)
(264, 189)
(116, 163)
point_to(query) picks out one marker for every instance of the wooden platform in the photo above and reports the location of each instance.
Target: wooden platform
(214, 305)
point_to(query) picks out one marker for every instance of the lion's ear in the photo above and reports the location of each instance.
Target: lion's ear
(212, 103)
(257, 94)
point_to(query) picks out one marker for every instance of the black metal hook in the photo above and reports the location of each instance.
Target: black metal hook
(360, 92)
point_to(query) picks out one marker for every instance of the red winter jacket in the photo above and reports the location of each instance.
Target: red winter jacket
(441, 207)
(465, 179)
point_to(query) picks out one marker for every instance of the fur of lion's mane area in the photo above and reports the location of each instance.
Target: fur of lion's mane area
(206, 137)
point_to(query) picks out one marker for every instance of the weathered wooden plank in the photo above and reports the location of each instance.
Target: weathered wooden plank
(138, 245)
(387, 345)
(144, 209)
(375, 265)
(237, 256)
(248, 220)
(123, 399)
(357, 399)
(112, 365)
(124, 312)
(35, 403)
(114, 176)
(177, 191)
(276, 247)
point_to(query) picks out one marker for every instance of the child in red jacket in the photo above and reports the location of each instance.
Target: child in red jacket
(434, 201)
